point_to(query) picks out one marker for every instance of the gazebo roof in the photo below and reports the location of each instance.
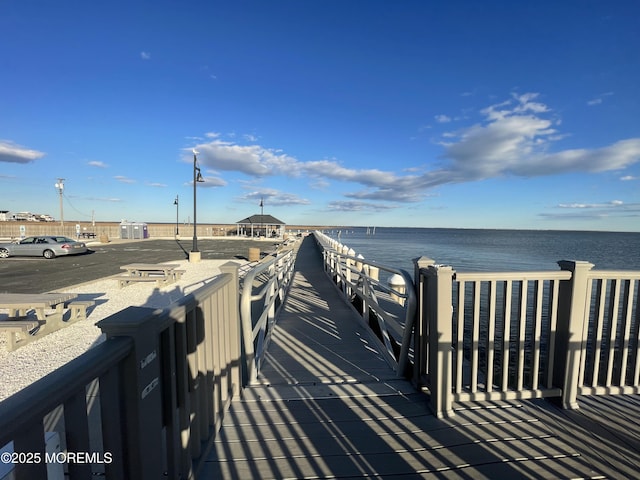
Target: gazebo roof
(260, 220)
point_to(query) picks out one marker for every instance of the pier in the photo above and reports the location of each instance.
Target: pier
(315, 369)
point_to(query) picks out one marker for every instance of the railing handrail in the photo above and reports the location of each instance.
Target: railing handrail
(511, 276)
(613, 274)
(256, 333)
(362, 288)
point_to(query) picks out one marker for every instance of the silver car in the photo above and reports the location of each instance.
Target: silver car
(42, 246)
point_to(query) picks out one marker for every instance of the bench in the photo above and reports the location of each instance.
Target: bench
(88, 235)
(78, 309)
(177, 274)
(13, 328)
(124, 280)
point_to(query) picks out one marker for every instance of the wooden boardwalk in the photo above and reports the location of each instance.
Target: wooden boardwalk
(329, 406)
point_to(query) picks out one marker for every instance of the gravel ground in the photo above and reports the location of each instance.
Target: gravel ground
(37, 359)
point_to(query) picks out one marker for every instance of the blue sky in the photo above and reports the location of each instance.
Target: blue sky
(495, 114)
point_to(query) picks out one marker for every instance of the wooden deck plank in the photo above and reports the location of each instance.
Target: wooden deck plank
(590, 433)
(410, 433)
(329, 406)
(330, 461)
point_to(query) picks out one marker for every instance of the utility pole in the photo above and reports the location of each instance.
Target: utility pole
(60, 187)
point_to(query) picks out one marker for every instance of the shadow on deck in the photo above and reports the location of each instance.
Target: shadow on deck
(327, 405)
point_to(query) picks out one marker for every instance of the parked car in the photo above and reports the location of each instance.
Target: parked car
(42, 246)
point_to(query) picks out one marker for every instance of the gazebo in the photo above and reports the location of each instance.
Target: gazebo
(261, 226)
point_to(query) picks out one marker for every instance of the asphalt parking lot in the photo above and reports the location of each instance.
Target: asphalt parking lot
(38, 275)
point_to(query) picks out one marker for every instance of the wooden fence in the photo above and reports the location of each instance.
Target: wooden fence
(507, 335)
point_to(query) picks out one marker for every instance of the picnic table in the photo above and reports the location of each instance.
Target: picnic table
(49, 311)
(160, 273)
(19, 304)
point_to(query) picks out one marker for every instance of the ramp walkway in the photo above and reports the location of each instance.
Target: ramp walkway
(327, 405)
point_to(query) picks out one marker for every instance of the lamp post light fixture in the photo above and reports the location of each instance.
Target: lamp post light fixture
(176, 203)
(194, 255)
(60, 187)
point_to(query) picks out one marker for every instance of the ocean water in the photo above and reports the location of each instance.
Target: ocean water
(492, 250)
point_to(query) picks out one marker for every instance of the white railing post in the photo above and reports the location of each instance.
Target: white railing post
(436, 332)
(573, 319)
(232, 314)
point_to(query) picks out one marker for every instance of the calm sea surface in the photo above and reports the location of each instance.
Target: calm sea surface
(493, 250)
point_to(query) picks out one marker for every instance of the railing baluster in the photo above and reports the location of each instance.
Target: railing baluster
(626, 316)
(31, 441)
(506, 338)
(635, 374)
(521, 333)
(475, 341)
(585, 335)
(111, 418)
(460, 337)
(553, 325)
(537, 331)
(614, 302)
(601, 292)
(76, 426)
(491, 335)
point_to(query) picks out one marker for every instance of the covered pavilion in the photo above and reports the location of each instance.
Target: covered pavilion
(261, 226)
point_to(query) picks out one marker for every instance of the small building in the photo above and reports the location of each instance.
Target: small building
(260, 226)
(133, 230)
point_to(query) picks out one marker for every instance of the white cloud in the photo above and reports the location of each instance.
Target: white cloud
(124, 179)
(598, 99)
(157, 185)
(209, 182)
(442, 118)
(594, 211)
(98, 164)
(12, 153)
(252, 160)
(611, 204)
(355, 206)
(628, 178)
(515, 138)
(145, 55)
(272, 197)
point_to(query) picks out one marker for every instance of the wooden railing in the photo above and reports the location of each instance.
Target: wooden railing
(505, 335)
(500, 335)
(164, 379)
(389, 309)
(263, 292)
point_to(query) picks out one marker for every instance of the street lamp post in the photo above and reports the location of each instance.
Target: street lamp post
(60, 187)
(194, 255)
(176, 203)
